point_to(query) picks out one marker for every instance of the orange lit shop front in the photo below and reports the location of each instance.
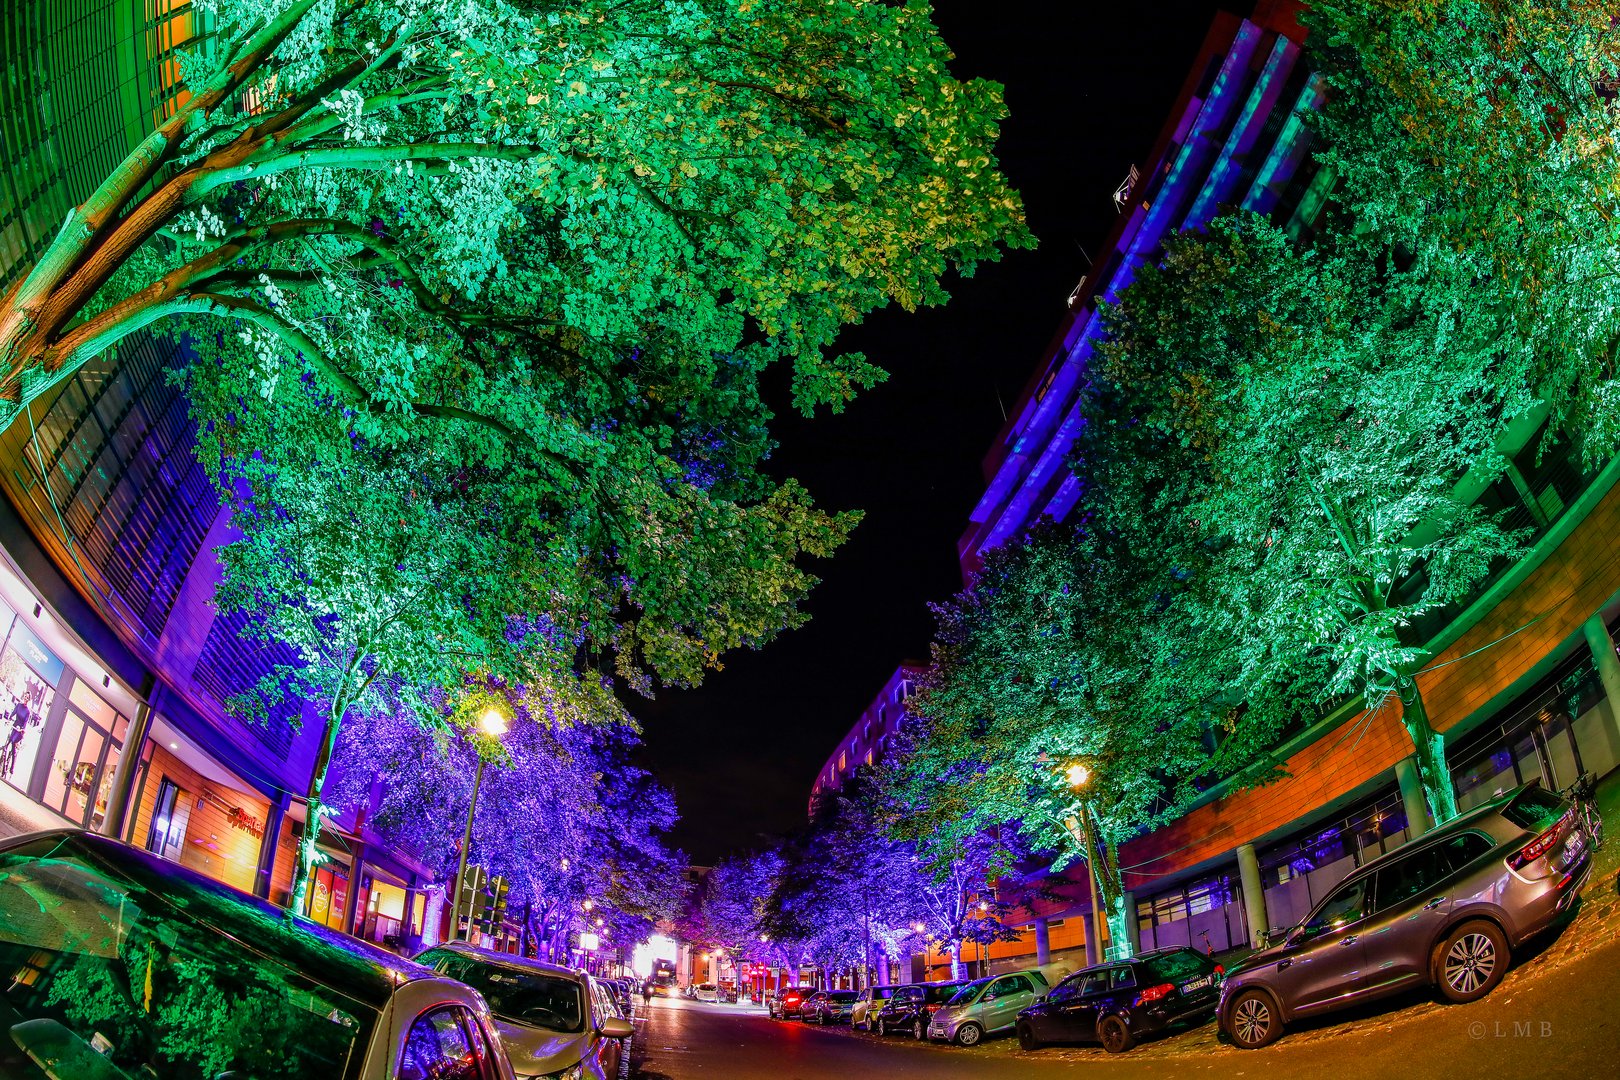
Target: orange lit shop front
(193, 811)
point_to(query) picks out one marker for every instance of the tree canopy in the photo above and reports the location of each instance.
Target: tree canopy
(479, 299)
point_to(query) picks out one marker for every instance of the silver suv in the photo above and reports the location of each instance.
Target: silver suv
(1445, 910)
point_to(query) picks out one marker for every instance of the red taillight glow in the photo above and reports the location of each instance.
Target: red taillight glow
(1219, 970)
(1155, 993)
(1536, 848)
(934, 1006)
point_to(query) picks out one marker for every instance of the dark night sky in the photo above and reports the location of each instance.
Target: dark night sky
(1087, 94)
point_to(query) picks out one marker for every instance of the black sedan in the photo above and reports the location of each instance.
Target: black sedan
(1115, 1004)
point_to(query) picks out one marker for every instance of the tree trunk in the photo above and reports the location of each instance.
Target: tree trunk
(307, 850)
(1104, 856)
(1430, 747)
(956, 959)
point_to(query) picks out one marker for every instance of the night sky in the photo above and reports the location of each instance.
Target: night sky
(1087, 95)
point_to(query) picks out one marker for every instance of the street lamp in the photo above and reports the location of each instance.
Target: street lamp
(493, 724)
(1078, 776)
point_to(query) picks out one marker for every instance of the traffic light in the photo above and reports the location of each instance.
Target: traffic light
(489, 905)
(472, 887)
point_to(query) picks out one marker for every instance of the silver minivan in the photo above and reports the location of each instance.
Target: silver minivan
(986, 1007)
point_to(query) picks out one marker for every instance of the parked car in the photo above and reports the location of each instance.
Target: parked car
(123, 965)
(868, 1005)
(785, 1004)
(810, 1004)
(728, 994)
(830, 1007)
(1115, 1004)
(706, 992)
(551, 1019)
(986, 1006)
(1445, 910)
(910, 1008)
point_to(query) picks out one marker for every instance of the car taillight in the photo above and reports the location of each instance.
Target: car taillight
(1536, 848)
(934, 1006)
(1155, 993)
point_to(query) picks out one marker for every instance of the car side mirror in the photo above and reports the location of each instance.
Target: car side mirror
(616, 1027)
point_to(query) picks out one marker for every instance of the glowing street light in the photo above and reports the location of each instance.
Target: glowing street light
(1079, 826)
(494, 725)
(1077, 775)
(587, 905)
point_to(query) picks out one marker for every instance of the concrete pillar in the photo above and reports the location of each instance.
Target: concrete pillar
(1417, 808)
(267, 846)
(1132, 927)
(1254, 894)
(1608, 669)
(1094, 952)
(1043, 943)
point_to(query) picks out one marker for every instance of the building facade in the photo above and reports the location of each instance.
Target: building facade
(115, 669)
(873, 734)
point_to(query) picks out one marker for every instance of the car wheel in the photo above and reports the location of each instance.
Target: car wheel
(969, 1034)
(870, 1027)
(1473, 959)
(1115, 1035)
(1253, 1020)
(1026, 1037)
(919, 1029)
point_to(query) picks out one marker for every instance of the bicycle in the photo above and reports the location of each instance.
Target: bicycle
(1583, 794)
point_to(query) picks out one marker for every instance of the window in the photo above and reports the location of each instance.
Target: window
(1066, 989)
(1344, 907)
(1121, 977)
(103, 950)
(1013, 984)
(1179, 966)
(440, 1047)
(1410, 876)
(1535, 809)
(1095, 982)
(1465, 848)
(522, 997)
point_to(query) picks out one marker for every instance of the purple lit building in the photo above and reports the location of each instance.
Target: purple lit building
(873, 734)
(115, 668)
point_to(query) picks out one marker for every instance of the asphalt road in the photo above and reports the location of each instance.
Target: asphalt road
(1557, 1011)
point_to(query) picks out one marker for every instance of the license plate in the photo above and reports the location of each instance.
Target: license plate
(1198, 984)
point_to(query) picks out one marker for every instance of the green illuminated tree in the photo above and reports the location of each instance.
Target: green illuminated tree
(1476, 138)
(479, 299)
(1066, 649)
(1313, 417)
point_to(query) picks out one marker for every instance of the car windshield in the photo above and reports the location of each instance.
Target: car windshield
(530, 998)
(941, 993)
(101, 969)
(841, 995)
(1179, 966)
(968, 994)
(1535, 809)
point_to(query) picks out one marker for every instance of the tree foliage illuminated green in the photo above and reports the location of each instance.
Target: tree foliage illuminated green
(479, 300)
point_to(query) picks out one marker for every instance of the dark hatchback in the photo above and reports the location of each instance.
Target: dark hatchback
(1115, 1004)
(913, 1006)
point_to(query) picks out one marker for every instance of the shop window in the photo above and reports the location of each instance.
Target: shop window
(28, 677)
(86, 755)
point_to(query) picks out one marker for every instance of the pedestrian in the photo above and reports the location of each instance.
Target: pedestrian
(647, 993)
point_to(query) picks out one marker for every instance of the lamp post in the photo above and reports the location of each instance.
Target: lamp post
(1078, 824)
(493, 724)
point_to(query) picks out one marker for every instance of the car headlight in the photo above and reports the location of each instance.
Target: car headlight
(576, 1071)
